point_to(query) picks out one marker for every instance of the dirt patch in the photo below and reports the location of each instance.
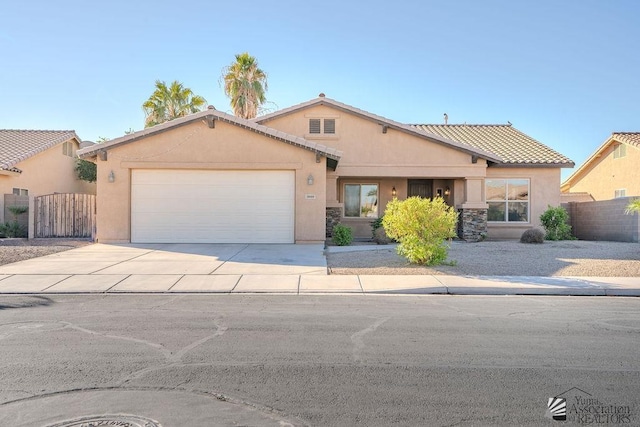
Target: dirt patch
(14, 250)
(503, 258)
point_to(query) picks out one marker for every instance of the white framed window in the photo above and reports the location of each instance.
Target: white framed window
(620, 151)
(622, 192)
(361, 200)
(20, 192)
(508, 200)
(322, 126)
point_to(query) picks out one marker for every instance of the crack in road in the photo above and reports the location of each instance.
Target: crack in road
(174, 359)
(358, 342)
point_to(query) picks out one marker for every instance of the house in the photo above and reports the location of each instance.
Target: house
(38, 162)
(289, 176)
(610, 172)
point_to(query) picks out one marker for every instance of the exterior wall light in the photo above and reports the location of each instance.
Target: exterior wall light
(447, 191)
(393, 192)
(310, 179)
(112, 177)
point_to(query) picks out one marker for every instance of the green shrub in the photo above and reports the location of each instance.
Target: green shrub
(532, 235)
(421, 227)
(342, 235)
(86, 170)
(375, 225)
(555, 222)
(12, 229)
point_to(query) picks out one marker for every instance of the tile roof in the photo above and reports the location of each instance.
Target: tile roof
(328, 152)
(19, 145)
(322, 100)
(505, 141)
(632, 138)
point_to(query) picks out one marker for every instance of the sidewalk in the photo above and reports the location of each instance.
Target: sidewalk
(300, 284)
(260, 269)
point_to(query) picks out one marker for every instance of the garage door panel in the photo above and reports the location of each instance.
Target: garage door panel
(172, 206)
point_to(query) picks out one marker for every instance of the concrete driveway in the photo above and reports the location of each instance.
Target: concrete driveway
(163, 267)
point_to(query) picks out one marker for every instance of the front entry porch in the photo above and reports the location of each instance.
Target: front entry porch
(358, 202)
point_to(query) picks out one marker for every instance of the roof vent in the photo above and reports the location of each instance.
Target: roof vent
(211, 107)
(446, 118)
(321, 95)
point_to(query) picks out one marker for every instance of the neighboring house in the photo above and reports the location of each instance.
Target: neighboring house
(39, 162)
(612, 171)
(291, 175)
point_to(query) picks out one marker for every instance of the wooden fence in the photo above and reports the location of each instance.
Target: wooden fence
(64, 215)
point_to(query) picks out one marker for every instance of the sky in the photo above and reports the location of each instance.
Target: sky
(563, 72)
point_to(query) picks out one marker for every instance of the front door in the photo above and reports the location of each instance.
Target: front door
(421, 188)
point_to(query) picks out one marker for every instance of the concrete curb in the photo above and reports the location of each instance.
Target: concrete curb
(295, 284)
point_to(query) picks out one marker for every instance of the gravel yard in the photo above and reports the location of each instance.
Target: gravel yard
(503, 258)
(14, 250)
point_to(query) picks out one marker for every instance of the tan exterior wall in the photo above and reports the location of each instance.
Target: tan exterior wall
(386, 159)
(544, 190)
(196, 146)
(46, 173)
(606, 174)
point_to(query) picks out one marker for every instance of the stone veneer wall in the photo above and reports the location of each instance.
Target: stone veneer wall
(333, 218)
(474, 224)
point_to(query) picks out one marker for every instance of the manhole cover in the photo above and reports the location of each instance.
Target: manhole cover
(109, 420)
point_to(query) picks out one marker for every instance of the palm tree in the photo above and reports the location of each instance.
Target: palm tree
(245, 84)
(170, 102)
(633, 206)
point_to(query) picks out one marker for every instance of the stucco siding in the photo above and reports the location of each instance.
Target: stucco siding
(607, 174)
(196, 146)
(368, 152)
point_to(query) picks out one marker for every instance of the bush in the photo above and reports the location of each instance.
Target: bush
(380, 236)
(376, 225)
(532, 235)
(13, 229)
(342, 235)
(555, 222)
(86, 170)
(420, 226)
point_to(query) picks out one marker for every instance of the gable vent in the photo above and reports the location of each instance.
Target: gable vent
(314, 125)
(329, 125)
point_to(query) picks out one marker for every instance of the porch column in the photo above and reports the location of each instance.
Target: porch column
(474, 211)
(334, 208)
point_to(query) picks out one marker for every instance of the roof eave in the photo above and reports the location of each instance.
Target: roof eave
(534, 165)
(382, 121)
(216, 115)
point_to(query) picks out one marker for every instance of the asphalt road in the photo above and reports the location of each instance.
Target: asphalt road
(318, 360)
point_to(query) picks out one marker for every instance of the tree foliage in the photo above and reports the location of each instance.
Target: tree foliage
(633, 206)
(86, 170)
(170, 102)
(421, 227)
(245, 84)
(556, 224)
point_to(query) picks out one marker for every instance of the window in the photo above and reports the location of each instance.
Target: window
(508, 200)
(68, 149)
(325, 126)
(619, 151)
(20, 192)
(620, 193)
(361, 200)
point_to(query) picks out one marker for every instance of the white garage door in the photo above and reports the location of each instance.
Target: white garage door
(193, 206)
